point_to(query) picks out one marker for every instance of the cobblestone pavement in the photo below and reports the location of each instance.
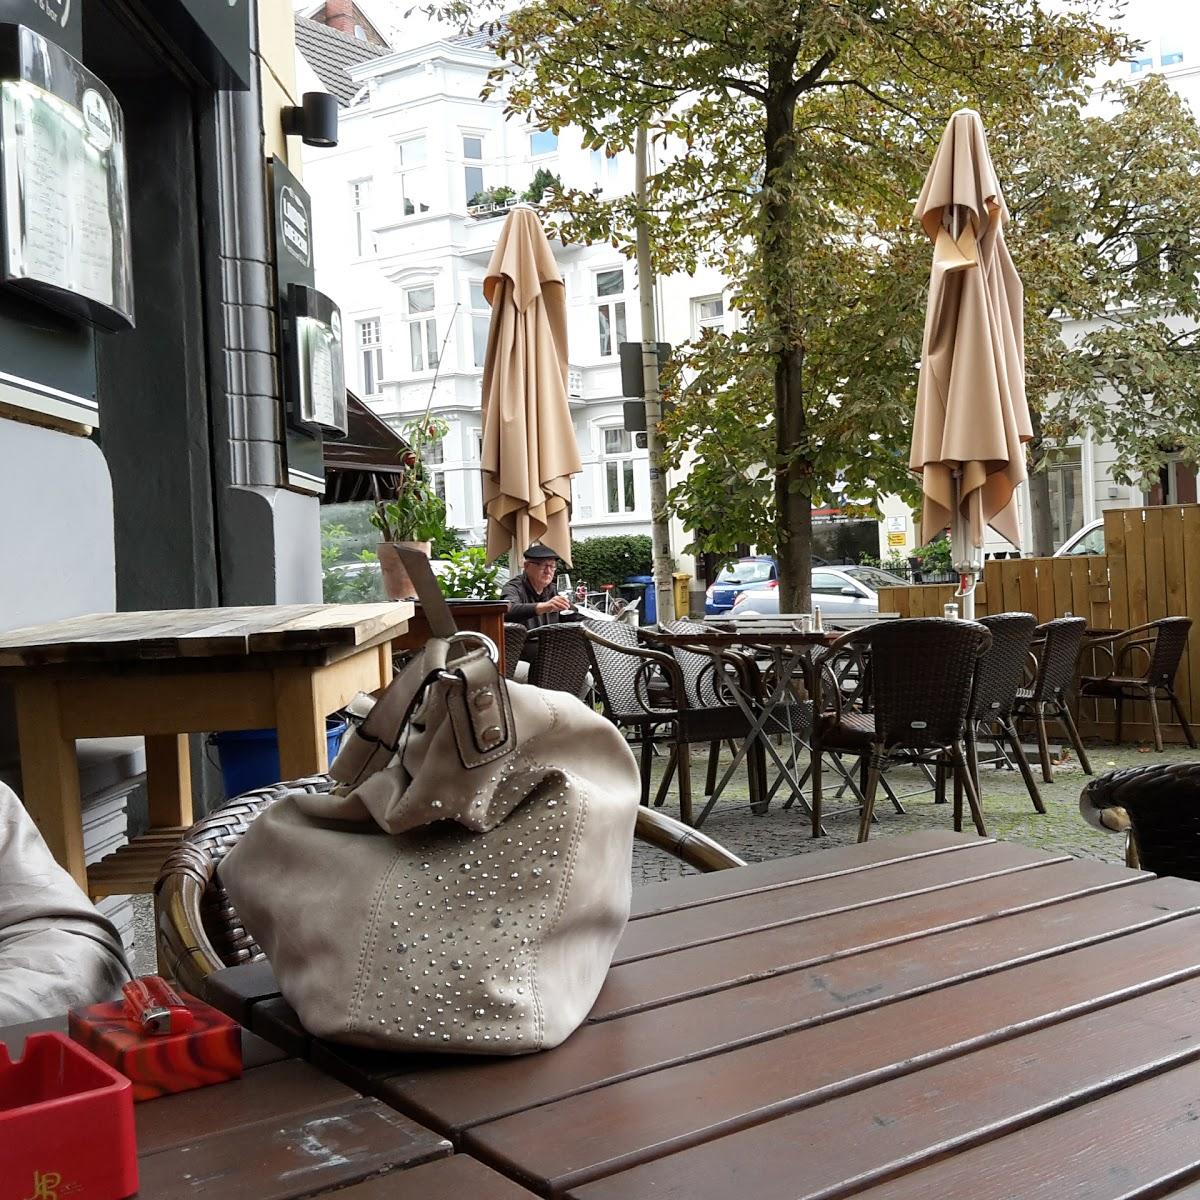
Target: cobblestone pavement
(1007, 810)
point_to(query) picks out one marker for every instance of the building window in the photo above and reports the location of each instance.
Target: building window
(473, 167)
(1171, 54)
(1064, 477)
(611, 311)
(433, 459)
(620, 495)
(481, 320)
(370, 356)
(422, 327)
(414, 176)
(709, 313)
(542, 142)
(360, 203)
(478, 441)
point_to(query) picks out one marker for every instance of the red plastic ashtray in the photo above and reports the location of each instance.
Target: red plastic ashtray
(66, 1124)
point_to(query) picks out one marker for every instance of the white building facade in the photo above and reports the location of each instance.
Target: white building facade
(403, 250)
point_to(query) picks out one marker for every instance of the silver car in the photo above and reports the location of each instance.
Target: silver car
(837, 591)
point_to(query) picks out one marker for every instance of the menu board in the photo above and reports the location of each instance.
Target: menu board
(62, 176)
(319, 366)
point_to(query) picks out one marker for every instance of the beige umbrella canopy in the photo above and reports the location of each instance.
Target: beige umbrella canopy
(529, 448)
(972, 417)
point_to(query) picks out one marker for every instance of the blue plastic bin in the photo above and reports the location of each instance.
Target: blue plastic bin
(249, 758)
(649, 608)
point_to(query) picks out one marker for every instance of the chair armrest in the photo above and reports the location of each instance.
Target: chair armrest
(1145, 645)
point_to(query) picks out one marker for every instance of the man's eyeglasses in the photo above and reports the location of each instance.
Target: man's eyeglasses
(541, 565)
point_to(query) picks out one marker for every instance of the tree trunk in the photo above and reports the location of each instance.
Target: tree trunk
(1039, 512)
(793, 488)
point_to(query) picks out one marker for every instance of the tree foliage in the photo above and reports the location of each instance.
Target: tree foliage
(792, 140)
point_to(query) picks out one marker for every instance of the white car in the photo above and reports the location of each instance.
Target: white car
(1088, 540)
(837, 591)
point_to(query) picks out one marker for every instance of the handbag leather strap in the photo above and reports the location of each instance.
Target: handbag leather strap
(433, 603)
(479, 708)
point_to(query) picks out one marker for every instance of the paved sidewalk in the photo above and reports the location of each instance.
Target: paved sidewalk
(1007, 811)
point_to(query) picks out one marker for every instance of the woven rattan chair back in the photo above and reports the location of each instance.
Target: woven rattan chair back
(199, 930)
(1059, 653)
(1170, 642)
(699, 675)
(560, 661)
(616, 674)
(1162, 802)
(514, 642)
(1001, 667)
(922, 671)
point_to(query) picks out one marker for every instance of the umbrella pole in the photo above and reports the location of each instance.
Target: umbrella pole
(964, 556)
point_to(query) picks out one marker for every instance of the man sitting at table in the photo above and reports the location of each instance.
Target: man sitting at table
(532, 596)
(57, 951)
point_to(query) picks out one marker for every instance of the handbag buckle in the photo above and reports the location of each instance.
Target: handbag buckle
(481, 639)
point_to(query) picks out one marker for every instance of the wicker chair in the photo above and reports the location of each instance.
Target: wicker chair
(558, 658)
(1157, 807)
(514, 643)
(1163, 643)
(199, 930)
(1058, 643)
(624, 671)
(998, 675)
(922, 672)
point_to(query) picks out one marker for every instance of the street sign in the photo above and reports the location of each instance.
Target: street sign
(635, 416)
(633, 382)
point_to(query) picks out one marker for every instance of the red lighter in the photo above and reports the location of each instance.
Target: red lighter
(155, 1007)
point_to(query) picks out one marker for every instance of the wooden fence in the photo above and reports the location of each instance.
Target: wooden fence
(1150, 569)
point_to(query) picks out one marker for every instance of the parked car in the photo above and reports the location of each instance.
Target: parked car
(745, 575)
(1088, 540)
(838, 591)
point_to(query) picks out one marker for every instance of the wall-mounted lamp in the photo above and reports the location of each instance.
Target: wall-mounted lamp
(315, 119)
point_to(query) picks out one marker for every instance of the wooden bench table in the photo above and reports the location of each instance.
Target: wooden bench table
(923, 1016)
(283, 1131)
(163, 675)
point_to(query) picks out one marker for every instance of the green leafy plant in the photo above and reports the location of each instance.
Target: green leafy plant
(470, 576)
(416, 513)
(543, 181)
(493, 195)
(601, 560)
(935, 556)
(447, 542)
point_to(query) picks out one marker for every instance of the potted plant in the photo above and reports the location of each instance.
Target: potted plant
(470, 576)
(415, 515)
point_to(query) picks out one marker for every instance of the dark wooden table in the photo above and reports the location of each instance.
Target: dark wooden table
(924, 1016)
(285, 1130)
(163, 675)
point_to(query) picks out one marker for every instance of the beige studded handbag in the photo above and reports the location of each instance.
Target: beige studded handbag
(464, 885)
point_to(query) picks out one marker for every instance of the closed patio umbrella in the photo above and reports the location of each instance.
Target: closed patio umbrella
(972, 417)
(529, 447)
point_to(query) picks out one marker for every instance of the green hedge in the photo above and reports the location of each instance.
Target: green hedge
(601, 560)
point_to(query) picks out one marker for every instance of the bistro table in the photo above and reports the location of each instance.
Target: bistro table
(285, 1130)
(925, 1016)
(164, 675)
(790, 651)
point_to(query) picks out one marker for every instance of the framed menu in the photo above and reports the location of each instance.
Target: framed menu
(317, 360)
(63, 183)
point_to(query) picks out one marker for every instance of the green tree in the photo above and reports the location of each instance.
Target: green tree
(543, 181)
(1106, 233)
(790, 137)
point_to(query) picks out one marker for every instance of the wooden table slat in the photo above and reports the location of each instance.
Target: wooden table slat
(810, 899)
(292, 1156)
(456, 1178)
(673, 976)
(691, 890)
(265, 1093)
(917, 1077)
(460, 1094)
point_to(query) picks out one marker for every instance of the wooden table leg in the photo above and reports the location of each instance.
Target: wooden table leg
(169, 780)
(50, 775)
(300, 724)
